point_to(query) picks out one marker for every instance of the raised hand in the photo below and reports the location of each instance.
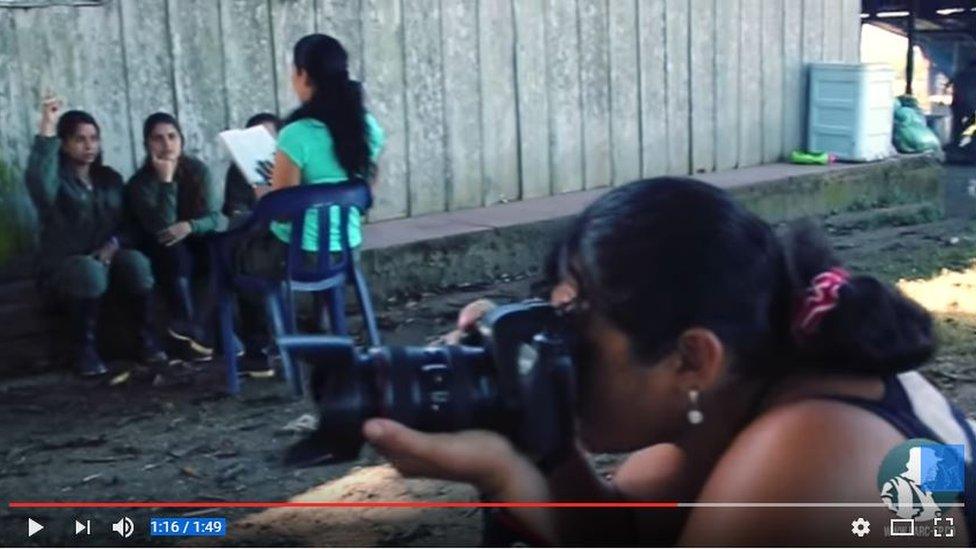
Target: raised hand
(50, 112)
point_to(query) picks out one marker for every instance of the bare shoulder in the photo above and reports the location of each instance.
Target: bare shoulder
(807, 437)
(809, 451)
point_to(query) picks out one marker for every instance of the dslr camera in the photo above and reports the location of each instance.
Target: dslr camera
(514, 375)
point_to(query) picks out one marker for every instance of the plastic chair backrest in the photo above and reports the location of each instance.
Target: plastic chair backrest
(293, 204)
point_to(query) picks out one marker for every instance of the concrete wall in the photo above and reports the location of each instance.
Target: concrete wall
(483, 101)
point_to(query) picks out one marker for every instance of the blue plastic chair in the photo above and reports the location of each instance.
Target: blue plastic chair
(327, 275)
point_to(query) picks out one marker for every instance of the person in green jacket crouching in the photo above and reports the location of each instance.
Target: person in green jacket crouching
(83, 244)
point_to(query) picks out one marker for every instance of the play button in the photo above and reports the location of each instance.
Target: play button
(33, 527)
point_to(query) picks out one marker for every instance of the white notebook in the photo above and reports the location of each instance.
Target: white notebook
(248, 148)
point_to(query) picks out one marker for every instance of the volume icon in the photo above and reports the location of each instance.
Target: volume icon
(82, 527)
(123, 527)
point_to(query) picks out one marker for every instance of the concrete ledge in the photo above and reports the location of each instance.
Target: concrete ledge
(435, 252)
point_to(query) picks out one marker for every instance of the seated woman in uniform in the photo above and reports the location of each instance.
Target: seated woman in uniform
(83, 251)
(174, 201)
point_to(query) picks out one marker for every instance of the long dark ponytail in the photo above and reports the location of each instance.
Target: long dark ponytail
(337, 101)
(191, 199)
(659, 256)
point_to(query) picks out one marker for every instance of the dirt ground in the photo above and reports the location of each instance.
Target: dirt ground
(176, 438)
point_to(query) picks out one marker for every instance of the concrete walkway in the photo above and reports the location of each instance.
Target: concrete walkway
(387, 234)
(434, 252)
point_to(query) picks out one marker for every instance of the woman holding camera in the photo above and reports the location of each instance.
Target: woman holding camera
(738, 368)
(83, 250)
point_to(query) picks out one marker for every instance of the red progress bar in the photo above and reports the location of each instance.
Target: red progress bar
(333, 504)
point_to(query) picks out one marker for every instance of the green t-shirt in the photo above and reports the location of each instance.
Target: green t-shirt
(308, 144)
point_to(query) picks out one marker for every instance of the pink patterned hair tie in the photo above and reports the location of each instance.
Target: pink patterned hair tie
(821, 298)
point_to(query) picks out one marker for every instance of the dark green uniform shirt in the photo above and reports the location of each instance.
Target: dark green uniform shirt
(75, 219)
(157, 205)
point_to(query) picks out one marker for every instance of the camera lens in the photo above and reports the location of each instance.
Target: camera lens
(518, 382)
(435, 389)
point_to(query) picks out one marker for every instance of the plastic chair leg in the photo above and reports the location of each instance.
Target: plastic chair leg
(274, 307)
(369, 316)
(337, 311)
(226, 321)
(286, 302)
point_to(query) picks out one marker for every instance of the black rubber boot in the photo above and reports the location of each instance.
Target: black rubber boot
(148, 349)
(84, 355)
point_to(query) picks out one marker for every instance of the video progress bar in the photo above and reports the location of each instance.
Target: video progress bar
(431, 505)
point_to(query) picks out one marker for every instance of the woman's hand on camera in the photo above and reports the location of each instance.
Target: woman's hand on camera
(466, 323)
(481, 458)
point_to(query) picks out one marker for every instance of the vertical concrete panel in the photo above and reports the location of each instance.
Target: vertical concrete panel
(794, 98)
(624, 91)
(45, 62)
(148, 65)
(595, 92)
(290, 21)
(341, 19)
(813, 30)
(703, 86)
(499, 125)
(772, 79)
(462, 103)
(199, 68)
(812, 51)
(15, 133)
(249, 65)
(533, 100)
(833, 30)
(383, 66)
(678, 74)
(750, 84)
(425, 106)
(102, 81)
(851, 29)
(565, 122)
(727, 15)
(653, 88)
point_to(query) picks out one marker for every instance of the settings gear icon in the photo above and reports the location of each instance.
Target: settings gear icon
(860, 527)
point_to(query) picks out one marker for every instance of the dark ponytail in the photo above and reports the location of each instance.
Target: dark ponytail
(872, 328)
(337, 101)
(659, 256)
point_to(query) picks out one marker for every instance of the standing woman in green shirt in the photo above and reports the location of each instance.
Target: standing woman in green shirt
(175, 201)
(83, 246)
(329, 139)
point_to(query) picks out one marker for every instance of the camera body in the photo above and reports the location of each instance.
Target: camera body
(514, 376)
